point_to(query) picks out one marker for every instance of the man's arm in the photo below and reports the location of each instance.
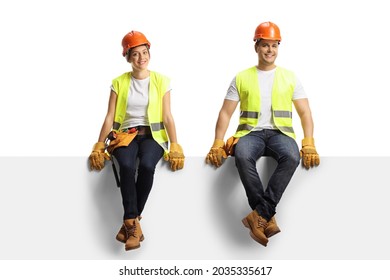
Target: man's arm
(304, 112)
(225, 114)
(308, 152)
(217, 152)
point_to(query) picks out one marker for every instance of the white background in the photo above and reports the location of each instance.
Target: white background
(58, 59)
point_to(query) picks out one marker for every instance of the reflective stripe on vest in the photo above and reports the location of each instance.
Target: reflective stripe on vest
(247, 114)
(157, 88)
(250, 100)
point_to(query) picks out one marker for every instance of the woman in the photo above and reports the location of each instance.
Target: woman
(139, 124)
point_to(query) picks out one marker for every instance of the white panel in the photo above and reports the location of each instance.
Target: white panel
(55, 208)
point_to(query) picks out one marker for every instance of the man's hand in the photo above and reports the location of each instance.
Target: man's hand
(308, 153)
(217, 153)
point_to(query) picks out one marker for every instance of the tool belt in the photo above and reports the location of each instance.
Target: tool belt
(125, 136)
(141, 129)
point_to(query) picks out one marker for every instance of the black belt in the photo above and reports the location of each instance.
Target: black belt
(142, 129)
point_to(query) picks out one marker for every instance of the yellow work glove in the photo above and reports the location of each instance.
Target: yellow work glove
(309, 154)
(176, 157)
(230, 143)
(217, 153)
(98, 156)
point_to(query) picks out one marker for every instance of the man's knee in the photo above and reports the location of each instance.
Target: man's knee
(293, 159)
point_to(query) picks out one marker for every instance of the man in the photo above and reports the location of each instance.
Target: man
(266, 93)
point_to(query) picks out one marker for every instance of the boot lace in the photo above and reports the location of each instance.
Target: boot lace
(131, 231)
(261, 223)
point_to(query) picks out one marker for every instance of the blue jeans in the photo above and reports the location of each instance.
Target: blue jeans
(248, 150)
(135, 189)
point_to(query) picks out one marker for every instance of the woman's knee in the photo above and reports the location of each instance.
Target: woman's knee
(127, 166)
(128, 169)
(146, 169)
(147, 166)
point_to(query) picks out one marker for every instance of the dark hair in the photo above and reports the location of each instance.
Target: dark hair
(258, 41)
(129, 50)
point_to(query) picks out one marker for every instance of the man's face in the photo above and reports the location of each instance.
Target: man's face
(267, 51)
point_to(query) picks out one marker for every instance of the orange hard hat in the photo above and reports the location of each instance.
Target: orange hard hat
(267, 30)
(133, 39)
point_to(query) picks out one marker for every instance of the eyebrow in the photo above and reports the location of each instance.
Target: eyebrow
(145, 50)
(269, 44)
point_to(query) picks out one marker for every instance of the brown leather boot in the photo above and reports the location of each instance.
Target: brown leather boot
(121, 236)
(272, 228)
(132, 234)
(257, 225)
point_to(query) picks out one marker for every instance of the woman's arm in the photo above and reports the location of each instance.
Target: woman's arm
(109, 119)
(168, 120)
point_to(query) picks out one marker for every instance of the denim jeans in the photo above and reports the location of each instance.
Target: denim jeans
(136, 184)
(248, 150)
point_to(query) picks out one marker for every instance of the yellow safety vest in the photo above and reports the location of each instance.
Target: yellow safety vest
(247, 83)
(157, 88)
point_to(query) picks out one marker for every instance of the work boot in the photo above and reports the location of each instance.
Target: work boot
(121, 236)
(132, 229)
(272, 228)
(257, 225)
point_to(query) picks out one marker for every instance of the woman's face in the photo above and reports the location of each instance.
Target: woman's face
(139, 58)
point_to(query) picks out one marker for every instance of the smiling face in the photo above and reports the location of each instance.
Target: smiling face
(267, 52)
(139, 58)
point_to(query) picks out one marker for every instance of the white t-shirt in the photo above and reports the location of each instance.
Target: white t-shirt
(266, 79)
(137, 103)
